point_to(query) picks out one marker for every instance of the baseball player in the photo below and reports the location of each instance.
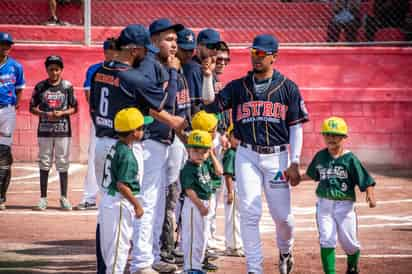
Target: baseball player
(122, 177)
(338, 172)
(159, 137)
(12, 83)
(196, 186)
(116, 85)
(233, 242)
(267, 112)
(90, 185)
(53, 101)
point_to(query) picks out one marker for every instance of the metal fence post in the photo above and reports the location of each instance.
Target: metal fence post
(87, 22)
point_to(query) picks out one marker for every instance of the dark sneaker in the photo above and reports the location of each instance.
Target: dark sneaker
(209, 267)
(352, 271)
(285, 263)
(211, 256)
(163, 267)
(85, 206)
(170, 259)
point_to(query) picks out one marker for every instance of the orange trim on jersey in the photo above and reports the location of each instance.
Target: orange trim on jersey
(106, 79)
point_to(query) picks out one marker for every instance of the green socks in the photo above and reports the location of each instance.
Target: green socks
(353, 261)
(328, 260)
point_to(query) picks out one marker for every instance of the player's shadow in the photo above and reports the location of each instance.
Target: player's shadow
(43, 267)
(60, 248)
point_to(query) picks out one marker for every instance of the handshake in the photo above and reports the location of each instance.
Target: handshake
(292, 174)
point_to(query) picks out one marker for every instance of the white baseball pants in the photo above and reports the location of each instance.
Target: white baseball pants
(232, 222)
(256, 173)
(337, 220)
(103, 145)
(146, 234)
(194, 235)
(90, 187)
(7, 125)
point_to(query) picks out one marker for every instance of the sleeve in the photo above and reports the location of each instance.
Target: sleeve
(171, 89)
(89, 75)
(360, 175)
(193, 76)
(312, 171)
(35, 97)
(162, 73)
(223, 100)
(125, 168)
(229, 163)
(296, 112)
(20, 79)
(187, 179)
(71, 97)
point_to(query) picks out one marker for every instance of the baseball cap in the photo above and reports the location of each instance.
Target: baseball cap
(199, 139)
(164, 24)
(186, 39)
(204, 121)
(107, 44)
(6, 38)
(54, 59)
(208, 36)
(266, 42)
(335, 126)
(129, 119)
(137, 35)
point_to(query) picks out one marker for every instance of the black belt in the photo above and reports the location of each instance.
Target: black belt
(265, 149)
(5, 106)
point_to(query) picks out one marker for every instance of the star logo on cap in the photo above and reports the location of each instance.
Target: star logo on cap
(190, 38)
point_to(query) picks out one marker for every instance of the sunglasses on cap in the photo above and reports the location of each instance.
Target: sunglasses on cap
(223, 60)
(260, 53)
(212, 46)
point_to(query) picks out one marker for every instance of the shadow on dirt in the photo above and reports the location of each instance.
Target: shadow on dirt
(42, 267)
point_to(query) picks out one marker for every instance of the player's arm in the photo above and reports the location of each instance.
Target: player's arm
(198, 203)
(229, 187)
(370, 196)
(19, 92)
(20, 84)
(35, 102)
(296, 143)
(128, 194)
(176, 122)
(72, 103)
(217, 166)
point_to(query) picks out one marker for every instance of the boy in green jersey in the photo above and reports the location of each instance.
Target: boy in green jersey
(122, 176)
(195, 178)
(338, 172)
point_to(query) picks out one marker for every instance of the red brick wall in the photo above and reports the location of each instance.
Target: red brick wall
(370, 87)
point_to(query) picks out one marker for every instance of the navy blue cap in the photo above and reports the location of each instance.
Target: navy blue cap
(164, 24)
(137, 35)
(208, 36)
(186, 39)
(54, 59)
(266, 42)
(107, 44)
(6, 38)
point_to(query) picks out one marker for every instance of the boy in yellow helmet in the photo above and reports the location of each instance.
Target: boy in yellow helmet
(338, 171)
(122, 177)
(195, 178)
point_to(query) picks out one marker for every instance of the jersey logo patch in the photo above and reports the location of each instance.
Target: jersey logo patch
(279, 181)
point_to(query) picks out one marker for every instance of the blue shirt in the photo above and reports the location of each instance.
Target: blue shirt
(11, 79)
(89, 75)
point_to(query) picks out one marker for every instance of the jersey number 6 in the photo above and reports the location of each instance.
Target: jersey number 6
(104, 102)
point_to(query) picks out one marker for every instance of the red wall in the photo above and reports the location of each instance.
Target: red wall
(370, 87)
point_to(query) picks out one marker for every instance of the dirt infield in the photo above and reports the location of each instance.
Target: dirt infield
(63, 242)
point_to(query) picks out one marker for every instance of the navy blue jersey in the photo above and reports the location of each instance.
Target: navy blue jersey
(152, 69)
(11, 79)
(262, 120)
(89, 75)
(194, 78)
(116, 86)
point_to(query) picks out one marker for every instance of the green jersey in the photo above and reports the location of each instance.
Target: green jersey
(120, 166)
(197, 178)
(216, 180)
(229, 163)
(338, 177)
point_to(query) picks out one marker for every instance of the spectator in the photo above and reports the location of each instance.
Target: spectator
(53, 101)
(386, 13)
(346, 17)
(54, 20)
(12, 84)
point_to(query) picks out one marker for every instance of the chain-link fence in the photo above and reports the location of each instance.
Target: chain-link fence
(292, 21)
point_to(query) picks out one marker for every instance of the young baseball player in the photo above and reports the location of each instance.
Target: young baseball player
(53, 101)
(195, 178)
(233, 242)
(12, 85)
(338, 172)
(122, 177)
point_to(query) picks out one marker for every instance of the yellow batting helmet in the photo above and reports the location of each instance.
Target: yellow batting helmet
(204, 121)
(199, 139)
(129, 119)
(335, 126)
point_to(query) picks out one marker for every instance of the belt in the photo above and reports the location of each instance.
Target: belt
(265, 149)
(6, 106)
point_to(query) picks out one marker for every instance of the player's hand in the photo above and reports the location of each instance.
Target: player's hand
(58, 113)
(207, 66)
(230, 197)
(292, 174)
(370, 198)
(173, 62)
(224, 141)
(203, 210)
(138, 211)
(178, 123)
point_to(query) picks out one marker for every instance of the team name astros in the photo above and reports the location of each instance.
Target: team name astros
(263, 109)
